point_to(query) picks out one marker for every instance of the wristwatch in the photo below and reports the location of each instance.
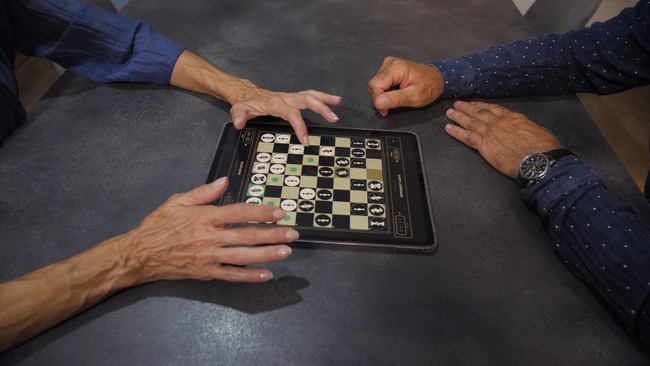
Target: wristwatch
(536, 165)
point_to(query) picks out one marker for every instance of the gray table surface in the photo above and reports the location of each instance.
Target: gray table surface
(94, 159)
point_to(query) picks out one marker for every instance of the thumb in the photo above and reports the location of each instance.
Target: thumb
(393, 99)
(239, 115)
(201, 195)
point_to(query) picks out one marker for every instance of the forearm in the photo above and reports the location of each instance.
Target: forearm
(86, 40)
(194, 73)
(608, 58)
(601, 240)
(523, 67)
(185, 238)
(39, 300)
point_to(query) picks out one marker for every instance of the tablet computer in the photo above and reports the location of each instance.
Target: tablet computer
(350, 187)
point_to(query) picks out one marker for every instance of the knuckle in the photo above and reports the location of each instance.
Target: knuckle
(483, 112)
(500, 109)
(400, 99)
(238, 211)
(517, 120)
(419, 101)
(471, 123)
(473, 140)
(248, 236)
(389, 59)
(294, 114)
(311, 100)
(175, 197)
(279, 236)
(229, 276)
(237, 257)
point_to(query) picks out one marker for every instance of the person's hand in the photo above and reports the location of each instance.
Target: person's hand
(192, 72)
(253, 101)
(501, 136)
(402, 83)
(185, 238)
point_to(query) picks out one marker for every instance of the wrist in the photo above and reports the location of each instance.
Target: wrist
(536, 166)
(236, 90)
(192, 72)
(438, 82)
(457, 78)
(558, 187)
(128, 261)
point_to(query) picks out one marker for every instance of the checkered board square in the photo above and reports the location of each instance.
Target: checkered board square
(335, 182)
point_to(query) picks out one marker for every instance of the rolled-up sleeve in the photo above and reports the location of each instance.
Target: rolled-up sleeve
(98, 44)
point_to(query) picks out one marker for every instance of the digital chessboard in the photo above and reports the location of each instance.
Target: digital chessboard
(348, 186)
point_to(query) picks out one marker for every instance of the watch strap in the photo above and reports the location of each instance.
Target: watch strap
(557, 154)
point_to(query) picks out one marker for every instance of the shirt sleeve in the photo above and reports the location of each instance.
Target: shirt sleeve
(90, 41)
(601, 240)
(609, 57)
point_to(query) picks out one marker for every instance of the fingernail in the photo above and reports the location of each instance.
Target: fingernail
(219, 182)
(334, 116)
(449, 111)
(291, 235)
(279, 214)
(284, 252)
(266, 276)
(305, 140)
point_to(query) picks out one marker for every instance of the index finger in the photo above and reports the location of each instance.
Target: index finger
(294, 117)
(381, 82)
(323, 97)
(384, 79)
(243, 212)
(201, 195)
(313, 100)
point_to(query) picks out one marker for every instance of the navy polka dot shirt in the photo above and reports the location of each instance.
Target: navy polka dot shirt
(600, 239)
(609, 57)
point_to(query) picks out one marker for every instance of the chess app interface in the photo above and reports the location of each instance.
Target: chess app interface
(346, 187)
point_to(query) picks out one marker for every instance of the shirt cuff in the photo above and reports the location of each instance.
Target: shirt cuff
(457, 77)
(154, 61)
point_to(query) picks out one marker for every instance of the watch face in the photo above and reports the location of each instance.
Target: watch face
(534, 166)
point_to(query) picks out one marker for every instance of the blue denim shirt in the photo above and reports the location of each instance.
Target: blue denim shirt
(84, 39)
(601, 240)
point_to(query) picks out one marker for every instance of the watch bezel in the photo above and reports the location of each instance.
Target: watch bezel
(549, 159)
(537, 160)
(525, 175)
